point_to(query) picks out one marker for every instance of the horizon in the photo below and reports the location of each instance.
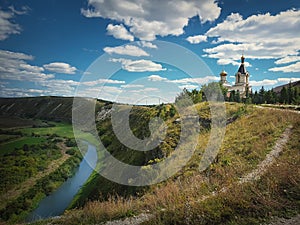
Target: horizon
(49, 48)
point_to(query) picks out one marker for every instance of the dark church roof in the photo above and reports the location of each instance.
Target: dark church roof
(242, 68)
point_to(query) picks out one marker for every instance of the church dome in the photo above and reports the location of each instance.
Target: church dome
(223, 73)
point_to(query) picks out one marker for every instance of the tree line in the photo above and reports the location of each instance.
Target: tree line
(216, 91)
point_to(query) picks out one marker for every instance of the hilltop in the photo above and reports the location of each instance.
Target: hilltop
(213, 196)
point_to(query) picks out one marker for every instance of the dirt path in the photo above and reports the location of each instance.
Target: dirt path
(250, 177)
(262, 166)
(278, 109)
(281, 221)
(26, 185)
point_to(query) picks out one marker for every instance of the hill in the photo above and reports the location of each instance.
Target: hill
(293, 84)
(47, 108)
(214, 196)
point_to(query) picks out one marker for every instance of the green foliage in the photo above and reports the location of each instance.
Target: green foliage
(214, 91)
(17, 209)
(9, 147)
(289, 95)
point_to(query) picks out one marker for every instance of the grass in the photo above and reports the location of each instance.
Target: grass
(60, 129)
(7, 137)
(18, 143)
(183, 198)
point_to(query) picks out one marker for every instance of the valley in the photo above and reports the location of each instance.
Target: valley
(40, 154)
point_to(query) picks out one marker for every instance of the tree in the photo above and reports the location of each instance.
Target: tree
(214, 91)
(255, 98)
(284, 95)
(237, 97)
(261, 95)
(290, 93)
(231, 97)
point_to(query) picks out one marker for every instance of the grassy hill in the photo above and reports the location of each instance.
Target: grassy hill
(190, 196)
(43, 108)
(216, 195)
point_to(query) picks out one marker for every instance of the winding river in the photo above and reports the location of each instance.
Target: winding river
(55, 204)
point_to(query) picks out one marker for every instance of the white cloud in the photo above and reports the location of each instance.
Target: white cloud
(288, 79)
(102, 81)
(293, 68)
(278, 81)
(139, 65)
(264, 82)
(188, 86)
(30, 68)
(145, 90)
(7, 25)
(185, 81)
(197, 39)
(262, 36)
(147, 44)
(196, 80)
(60, 67)
(132, 86)
(287, 59)
(14, 66)
(230, 61)
(149, 18)
(156, 78)
(130, 50)
(119, 32)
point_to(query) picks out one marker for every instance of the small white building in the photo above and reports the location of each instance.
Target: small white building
(241, 80)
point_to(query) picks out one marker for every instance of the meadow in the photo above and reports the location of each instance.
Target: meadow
(216, 195)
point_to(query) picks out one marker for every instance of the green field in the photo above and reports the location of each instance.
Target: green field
(59, 129)
(10, 146)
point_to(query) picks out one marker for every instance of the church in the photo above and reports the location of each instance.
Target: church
(241, 80)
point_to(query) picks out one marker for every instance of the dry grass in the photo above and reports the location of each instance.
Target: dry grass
(180, 200)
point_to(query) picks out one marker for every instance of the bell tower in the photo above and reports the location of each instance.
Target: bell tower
(242, 76)
(223, 76)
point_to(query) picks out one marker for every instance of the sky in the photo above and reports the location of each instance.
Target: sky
(143, 51)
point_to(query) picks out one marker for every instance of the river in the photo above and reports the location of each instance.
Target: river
(56, 203)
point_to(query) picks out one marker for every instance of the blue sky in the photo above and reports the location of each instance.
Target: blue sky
(155, 48)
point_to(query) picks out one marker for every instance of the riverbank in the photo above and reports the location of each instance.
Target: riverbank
(56, 203)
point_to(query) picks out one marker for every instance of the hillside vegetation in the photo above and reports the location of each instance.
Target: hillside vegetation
(190, 196)
(193, 197)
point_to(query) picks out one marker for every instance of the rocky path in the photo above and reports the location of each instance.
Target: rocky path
(262, 167)
(250, 177)
(281, 221)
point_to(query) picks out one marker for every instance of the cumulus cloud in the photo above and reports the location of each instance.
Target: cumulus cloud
(149, 18)
(262, 36)
(119, 32)
(145, 90)
(197, 39)
(288, 79)
(278, 81)
(130, 50)
(60, 67)
(103, 81)
(14, 66)
(293, 68)
(139, 65)
(287, 59)
(147, 44)
(185, 81)
(156, 78)
(265, 82)
(132, 86)
(232, 62)
(7, 25)
(188, 86)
